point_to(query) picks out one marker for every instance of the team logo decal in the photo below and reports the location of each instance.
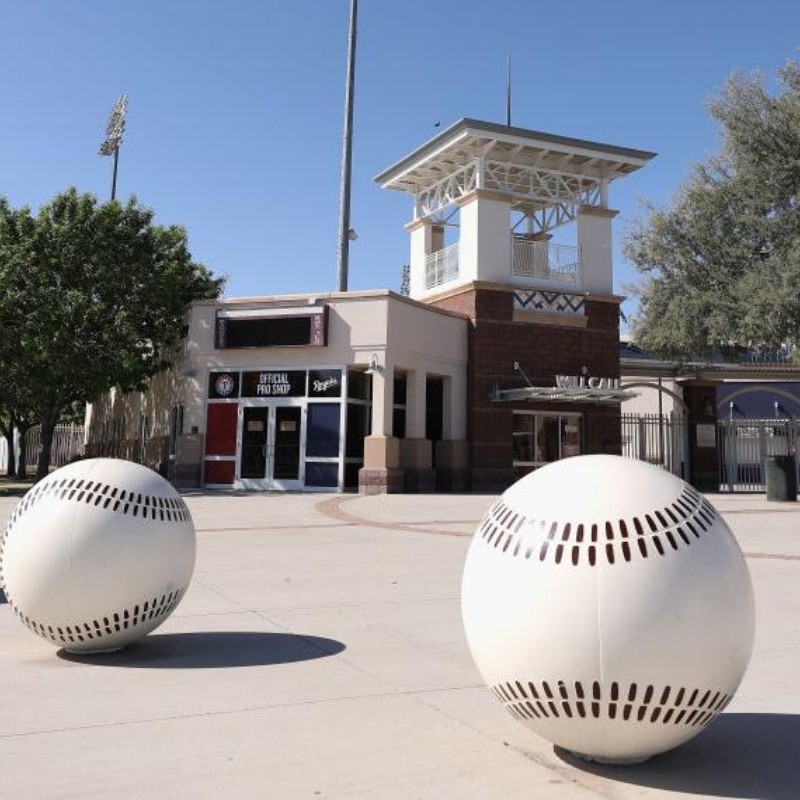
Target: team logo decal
(224, 385)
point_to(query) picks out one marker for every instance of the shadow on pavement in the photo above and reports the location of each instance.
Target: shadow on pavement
(739, 756)
(212, 650)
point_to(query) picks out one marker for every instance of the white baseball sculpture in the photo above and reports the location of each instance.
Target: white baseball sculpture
(608, 607)
(97, 554)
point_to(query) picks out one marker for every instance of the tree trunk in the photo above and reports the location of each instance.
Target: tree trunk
(11, 462)
(48, 429)
(22, 464)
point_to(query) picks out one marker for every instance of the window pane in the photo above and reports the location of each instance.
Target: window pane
(399, 389)
(570, 436)
(523, 437)
(358, 385)
(322, 431)
(399, 423)
(322, 473)
(357, 429)
(548, 439)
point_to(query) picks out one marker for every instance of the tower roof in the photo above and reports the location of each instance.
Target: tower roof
(460, 144)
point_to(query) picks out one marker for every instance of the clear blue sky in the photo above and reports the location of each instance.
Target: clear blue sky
(235, 119)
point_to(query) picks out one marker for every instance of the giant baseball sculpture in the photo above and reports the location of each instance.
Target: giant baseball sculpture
(608, 607)
(97, 554)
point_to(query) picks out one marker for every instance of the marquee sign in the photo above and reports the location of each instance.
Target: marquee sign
(567, 389)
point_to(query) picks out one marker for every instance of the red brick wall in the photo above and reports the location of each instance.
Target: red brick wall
(496, 341)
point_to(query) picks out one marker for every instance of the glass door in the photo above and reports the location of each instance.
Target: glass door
(285, 448)
(269, 456)
(253, 453)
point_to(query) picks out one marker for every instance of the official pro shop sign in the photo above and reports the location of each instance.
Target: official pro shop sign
(277, 383)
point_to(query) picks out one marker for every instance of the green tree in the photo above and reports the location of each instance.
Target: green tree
(96, 297)
(18, 407)
(721, 265)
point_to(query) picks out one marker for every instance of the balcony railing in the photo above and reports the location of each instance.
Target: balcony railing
(544, 261)
(441, 266)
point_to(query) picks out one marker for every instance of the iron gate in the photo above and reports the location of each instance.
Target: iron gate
(743, 446)
(657, 439)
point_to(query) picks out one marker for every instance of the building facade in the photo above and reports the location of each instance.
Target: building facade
(503, 358)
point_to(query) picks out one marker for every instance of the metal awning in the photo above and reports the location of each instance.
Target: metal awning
(563, 394)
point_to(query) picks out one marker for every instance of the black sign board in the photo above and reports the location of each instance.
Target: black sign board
(223, 385)
(293, 327)
(325, 383)
(274, 383)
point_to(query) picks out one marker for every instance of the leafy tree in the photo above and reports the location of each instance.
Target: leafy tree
(721, 266)
(18, 407)
(96, 296)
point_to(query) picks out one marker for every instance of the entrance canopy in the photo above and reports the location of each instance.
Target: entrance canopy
(565, 394)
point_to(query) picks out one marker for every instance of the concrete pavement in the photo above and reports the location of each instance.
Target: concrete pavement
(319, 653)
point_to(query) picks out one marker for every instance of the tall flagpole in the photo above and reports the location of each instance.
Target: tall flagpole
(347, 149)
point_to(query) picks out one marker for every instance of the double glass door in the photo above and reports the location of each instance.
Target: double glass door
(269, 452)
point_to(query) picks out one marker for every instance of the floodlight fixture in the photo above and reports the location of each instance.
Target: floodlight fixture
(114, 131)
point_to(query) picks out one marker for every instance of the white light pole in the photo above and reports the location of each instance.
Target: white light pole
(113, 140)
(345, 236)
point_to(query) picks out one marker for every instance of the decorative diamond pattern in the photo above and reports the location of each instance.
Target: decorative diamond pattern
(549, 302)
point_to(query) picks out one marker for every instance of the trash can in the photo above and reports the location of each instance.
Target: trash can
(781, 478)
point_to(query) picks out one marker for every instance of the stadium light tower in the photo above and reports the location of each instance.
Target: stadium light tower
(113, 140)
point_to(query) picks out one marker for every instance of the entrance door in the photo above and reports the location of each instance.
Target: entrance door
(270, 447)
(286, 447)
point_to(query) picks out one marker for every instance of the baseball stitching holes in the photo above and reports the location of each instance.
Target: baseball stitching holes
(626, 551)
(659, 546)
(682, 534)
(653, 526)
(559, 553)
(576, 554)
(671, 540)
(642, 547)
(623, 529)
(579, 533)
(553, 529)
(692, 529)
(671, 515)
(565, 533)
(543, 551)
(661, 519)
(594, 532)
(679, 511)
(609, 530)
(610, 553)
(591, 555)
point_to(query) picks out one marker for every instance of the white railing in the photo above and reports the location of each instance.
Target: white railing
(545, 261)
(441, 266)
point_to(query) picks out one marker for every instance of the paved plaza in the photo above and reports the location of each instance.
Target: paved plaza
(319, 653)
